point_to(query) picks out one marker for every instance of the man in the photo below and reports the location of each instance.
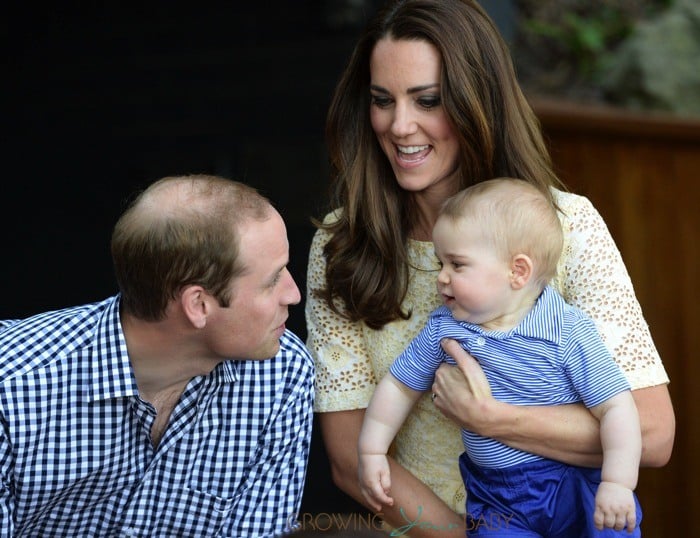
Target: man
(179, 407)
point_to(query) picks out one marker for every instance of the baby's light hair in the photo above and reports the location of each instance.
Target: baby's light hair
(516, 217)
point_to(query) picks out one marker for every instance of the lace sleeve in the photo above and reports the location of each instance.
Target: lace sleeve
(344, 374)
(592, 276)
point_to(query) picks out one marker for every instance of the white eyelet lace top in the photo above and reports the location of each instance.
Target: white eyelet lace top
(351, 358)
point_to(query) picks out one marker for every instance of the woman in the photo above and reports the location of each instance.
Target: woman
(429, 104)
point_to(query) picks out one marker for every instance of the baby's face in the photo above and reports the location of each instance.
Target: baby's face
(474, 280)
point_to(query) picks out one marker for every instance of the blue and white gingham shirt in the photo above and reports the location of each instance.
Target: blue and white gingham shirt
(76, 458)
(553, 356)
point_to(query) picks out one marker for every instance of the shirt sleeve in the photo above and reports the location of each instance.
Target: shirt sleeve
(592, 276)
(7, 323)
(6, 496)
(344, 374)
(592, 370)
(270, 505)
(416, 366)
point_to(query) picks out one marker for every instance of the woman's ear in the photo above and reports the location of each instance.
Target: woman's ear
(520, 271)
(193, 301)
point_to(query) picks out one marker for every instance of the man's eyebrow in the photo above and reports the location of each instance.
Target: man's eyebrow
(414, 89)
(280, 269)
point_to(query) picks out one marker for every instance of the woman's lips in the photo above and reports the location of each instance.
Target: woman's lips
(412, 155)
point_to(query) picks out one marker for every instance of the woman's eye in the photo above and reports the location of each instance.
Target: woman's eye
(429, 102)
(380, 101)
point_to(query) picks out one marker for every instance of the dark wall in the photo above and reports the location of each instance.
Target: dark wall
(101, 101)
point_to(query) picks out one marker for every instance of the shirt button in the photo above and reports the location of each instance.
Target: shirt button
(480, 341)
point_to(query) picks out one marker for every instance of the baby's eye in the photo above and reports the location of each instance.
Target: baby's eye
(457, 265)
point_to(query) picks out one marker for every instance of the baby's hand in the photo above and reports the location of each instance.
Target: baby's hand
(614, 507)
(375, 480)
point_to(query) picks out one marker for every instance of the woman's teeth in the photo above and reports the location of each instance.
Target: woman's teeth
(411, 149)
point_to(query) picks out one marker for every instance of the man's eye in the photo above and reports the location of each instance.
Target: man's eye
(275, 280)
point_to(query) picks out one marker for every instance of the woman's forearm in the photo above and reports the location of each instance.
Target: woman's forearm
(567, 433)
(658, 424)
(417, 512)
(571, 434)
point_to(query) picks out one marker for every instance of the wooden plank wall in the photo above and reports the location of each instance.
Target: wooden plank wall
(642, 173)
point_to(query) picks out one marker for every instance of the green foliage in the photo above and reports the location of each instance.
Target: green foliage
(568, 45)
(584, 38)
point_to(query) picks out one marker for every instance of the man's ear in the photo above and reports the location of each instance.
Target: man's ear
(195, 306)
(520, 271)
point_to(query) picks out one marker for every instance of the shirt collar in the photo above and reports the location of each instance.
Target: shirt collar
(227, 371)
(111, 372)
(542, 322)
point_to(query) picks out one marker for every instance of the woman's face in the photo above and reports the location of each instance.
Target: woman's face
(408, 117)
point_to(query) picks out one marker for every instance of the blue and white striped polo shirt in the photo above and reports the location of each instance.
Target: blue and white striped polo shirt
(554, 356)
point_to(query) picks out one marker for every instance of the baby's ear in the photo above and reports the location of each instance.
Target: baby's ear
(520, 271)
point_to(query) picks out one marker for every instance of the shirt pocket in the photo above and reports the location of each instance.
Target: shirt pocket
(202, 513)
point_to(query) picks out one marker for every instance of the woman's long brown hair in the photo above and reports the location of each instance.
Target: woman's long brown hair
(367, 262)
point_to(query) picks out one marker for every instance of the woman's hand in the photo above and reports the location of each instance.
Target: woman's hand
(463, 393)
(567, 433)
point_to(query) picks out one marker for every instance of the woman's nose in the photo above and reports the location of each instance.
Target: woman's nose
(403, 123)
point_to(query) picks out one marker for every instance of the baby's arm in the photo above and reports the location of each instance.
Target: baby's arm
(622, 445)
(387, 410)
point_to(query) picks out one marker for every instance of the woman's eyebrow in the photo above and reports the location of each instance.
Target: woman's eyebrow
(414, 89)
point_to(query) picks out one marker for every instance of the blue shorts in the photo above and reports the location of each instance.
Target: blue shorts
(543, 498)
